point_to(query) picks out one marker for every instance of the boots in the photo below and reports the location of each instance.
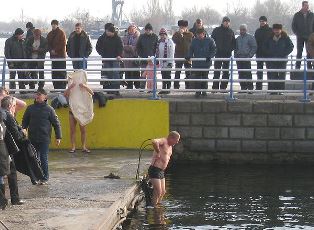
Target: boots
(3, 200)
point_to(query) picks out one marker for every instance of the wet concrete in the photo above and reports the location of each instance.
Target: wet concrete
(77, 195)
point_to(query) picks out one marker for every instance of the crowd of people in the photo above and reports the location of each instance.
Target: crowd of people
(267, 42)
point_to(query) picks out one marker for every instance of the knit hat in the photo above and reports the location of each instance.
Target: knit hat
(148, 26)
(277, 26)
(111, 29)
(163, 31)
(29, 25)
(18, 31)
(107, 25)
(183, 23)
(200, 31)
(226, 19)
(262, 18)
(42, 91)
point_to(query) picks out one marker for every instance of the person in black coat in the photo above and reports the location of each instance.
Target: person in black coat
(146, 46)
(279, 45)
(225, 41)
(38, 119)
(79, 46)
(36, 47)
(14, 49)
(109, 45)
(302, 27)
(8, 105)
(4, 164)
(261, 35)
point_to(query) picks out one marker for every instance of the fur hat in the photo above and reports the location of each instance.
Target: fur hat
(183, 23)
(148, 26)
(18, 31)
(277, 26)
(163, 31)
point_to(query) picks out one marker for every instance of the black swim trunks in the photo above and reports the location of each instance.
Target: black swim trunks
(155, 173)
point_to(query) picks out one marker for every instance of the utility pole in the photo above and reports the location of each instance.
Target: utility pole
(117, 6)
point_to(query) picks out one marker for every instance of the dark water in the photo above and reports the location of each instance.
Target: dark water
(233, 197)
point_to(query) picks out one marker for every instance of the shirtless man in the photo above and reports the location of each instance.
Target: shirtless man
(156, 172)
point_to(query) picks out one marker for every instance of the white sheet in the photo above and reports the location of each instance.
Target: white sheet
(80, 101)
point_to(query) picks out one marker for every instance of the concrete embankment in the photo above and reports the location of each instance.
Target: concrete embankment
(244, 131)
(78, 196)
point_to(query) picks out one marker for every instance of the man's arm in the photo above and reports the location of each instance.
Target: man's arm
(56, 124)
(26, 119)
(13, 127)
(156, 145)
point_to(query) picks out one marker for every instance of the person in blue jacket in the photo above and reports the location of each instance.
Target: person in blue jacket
(202, 47)
(279, 45)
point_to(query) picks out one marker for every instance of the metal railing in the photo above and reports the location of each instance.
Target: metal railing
(233, 81)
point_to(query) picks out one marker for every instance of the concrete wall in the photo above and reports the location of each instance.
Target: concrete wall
(122, 124)
(244, 131)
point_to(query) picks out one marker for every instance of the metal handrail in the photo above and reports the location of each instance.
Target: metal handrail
(157, 70)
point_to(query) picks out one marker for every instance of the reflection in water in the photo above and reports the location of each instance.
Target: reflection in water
(228, 197)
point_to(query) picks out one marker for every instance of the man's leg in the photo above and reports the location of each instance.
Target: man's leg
(178, 65)
(217, 65)
(187, 67)
(225, 75)
(3, 200)
(33, 74)
(129, 75)
(204, 84)
(241, 74)
(43, 149)
(163, 189)
(271, 75)
(41, 66)
(260, 65)
(300, 45)
(249, 84)
(143, 66)
(59, 74)
(157, 192)
(12, 85)
(115, 76)
(137, 84)
(281, 75)
(12, 181)
(21, 75)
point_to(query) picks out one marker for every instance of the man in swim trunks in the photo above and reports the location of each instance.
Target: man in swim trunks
(162, 153)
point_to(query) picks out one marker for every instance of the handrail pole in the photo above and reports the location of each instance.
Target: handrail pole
(3, 72)
(305, 96)
(231, 96)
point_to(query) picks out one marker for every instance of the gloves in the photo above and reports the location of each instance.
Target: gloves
(208, 59)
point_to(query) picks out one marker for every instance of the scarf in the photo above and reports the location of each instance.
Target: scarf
(165, 48)
(131, 39)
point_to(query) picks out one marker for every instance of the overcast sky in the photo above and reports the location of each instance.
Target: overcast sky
(59, 9)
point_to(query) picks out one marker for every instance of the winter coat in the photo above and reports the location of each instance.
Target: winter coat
(202, 48)
(14, 48)
(301, 27)
(43, 48)
(261, 35)
(109, 47)
(310, 45)
(146, 45)
(4, 154)
(245, 46)
(225, 41)
(85, 46)
(170, 52)
(183, 43)
(129, 48)
(57, 42)
(278, 49)
(38, 119)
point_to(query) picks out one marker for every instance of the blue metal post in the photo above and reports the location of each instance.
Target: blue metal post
(305, 97)
(155, 97)
(231, 97)
(3, 71)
